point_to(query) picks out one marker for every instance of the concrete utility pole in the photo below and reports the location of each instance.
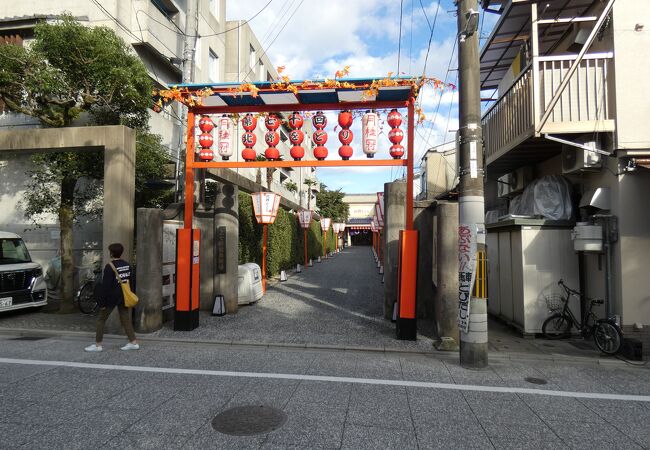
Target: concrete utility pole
(189, 47)
(471, 223)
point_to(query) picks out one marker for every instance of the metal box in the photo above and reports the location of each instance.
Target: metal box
(526, 259)
(587, 237)
(249, 283)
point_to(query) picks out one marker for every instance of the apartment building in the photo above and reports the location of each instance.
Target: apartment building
(570, 79)
(156, 31)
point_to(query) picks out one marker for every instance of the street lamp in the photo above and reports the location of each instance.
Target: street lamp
(305, 217)
(265, 207)
(325, 226)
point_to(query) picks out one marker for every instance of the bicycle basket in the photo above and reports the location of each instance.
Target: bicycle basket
(555, 302)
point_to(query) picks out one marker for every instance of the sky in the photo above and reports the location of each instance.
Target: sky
(313, 39)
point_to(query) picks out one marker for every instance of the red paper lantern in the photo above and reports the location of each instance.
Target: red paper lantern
(394, 118)
(345, 119)
(320, 152)
(206, 154)
(206, 140)
(272, 138)
(395, 135)
(345, 152)
(297, 152)
(205, 124)
(319, 120)
(249, 122)
(295, 121)
(272, 122)
(319, 137)
(272, 153)
(345, 136)
(396, 151)
(296, 137)
(248, 139)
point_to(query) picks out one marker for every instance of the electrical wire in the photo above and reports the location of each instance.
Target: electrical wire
(276, 36)
(432, 27)
(399, 42)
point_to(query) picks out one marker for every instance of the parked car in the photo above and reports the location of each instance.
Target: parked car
(21, 281)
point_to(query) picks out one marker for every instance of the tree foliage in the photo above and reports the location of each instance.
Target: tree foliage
(69, 69)
(330, 204)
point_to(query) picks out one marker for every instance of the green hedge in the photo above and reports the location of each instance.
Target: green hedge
(285, 239)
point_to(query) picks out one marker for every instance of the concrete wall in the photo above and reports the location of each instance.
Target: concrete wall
(423, 219)
(632, 73)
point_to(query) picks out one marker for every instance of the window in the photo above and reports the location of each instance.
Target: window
(197, 53)
(214, 8)
(13, 251)
(253, 57)
(213, 67)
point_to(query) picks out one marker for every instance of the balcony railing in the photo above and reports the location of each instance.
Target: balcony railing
(584, 106)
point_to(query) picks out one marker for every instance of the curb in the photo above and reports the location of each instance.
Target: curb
(494, 356)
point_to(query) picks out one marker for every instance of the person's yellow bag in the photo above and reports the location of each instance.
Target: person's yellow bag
(130, 299)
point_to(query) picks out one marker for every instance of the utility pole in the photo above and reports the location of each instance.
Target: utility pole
(472, 297)
(189, 46)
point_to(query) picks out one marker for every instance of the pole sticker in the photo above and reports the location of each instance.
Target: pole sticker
(466, 273)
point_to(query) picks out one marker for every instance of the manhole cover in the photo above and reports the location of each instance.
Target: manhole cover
(549, 345)
(534, 380)
(28, 338)
(249, 420)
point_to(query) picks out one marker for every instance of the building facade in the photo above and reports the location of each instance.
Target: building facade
(570, 80)
(155, 29)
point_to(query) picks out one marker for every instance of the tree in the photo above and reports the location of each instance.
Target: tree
(68, 70)
(330, 204)
(291, 186)
(309, 183)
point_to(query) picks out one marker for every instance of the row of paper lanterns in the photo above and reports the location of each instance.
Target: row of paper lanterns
(266, 205)
(369, 131)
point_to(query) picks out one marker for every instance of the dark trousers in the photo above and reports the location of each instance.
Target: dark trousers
(125, 319)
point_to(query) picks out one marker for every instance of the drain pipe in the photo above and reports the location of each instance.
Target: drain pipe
(610, 237)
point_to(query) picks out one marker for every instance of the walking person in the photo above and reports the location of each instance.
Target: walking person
(111, 296)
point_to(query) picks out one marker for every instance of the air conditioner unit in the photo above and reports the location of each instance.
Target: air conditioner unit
(576, 159)
(514, 182)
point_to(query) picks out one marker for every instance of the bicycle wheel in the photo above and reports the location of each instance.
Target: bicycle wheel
(556, 326)
(86, 298)
(607, 337)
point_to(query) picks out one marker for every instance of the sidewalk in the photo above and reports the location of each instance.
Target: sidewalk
(336, 304)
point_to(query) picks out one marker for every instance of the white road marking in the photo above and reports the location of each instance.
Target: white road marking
(284, 376)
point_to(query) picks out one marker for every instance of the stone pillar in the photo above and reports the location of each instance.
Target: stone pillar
(394, 221)
(446, 271)
(423, 222)
(226, 252)
(204, 221)
(147, 315)
(119, 198)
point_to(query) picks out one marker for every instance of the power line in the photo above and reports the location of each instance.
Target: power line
(276, 36)
(433, 27)
(399, 45)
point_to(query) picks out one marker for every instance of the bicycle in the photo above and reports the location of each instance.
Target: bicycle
(607, 334)
(88, 293)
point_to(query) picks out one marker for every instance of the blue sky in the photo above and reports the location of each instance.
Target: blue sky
(320, 38)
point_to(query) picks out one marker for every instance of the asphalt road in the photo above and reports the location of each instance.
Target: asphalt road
(54, 395)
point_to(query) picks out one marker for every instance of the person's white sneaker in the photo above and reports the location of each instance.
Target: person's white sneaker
(131, 346)
(94, 348)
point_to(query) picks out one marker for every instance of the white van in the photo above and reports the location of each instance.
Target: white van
(21, 280)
